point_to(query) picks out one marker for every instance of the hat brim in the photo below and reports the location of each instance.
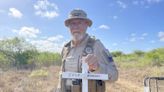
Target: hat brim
(70, 19)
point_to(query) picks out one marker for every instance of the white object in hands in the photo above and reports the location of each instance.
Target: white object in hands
(85, 76)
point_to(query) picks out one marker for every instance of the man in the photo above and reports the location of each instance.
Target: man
(83, 48)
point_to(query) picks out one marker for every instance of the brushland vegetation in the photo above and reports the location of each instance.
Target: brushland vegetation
(140, 59)
(25, 69)
(19, 54)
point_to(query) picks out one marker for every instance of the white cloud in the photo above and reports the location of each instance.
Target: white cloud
(15, 13)
(153, 1)
(133, 34)
(115, 17)
(145, 3)
(27, 32)
(133, 39)
(141, 38)
(144, 34)
(104, 27)
(152, 41)
(55, 38)
(161, 36)
(135, 2)
(15, 31)
(46, 9)
(50, 44)
(114, 44)
(121, 4)
(148, 49)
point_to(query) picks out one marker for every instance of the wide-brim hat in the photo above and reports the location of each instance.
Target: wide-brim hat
(77, 14)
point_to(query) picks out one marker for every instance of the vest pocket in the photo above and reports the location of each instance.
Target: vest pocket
(76, 85)
(100, 86)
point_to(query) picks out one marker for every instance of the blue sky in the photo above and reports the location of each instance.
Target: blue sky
(124, 25)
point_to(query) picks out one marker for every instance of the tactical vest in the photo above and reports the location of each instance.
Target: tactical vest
(94, 85)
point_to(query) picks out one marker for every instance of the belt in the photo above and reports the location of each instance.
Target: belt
(68, 88)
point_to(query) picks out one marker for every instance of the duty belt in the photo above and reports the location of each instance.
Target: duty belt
(74, 86)
(68, 88)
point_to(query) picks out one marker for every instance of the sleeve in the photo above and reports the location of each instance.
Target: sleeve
(106, 62)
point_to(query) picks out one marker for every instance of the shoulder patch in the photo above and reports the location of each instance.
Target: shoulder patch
(108, 55)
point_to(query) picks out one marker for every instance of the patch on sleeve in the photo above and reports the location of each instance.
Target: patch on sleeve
(110, 59)
(108, 56)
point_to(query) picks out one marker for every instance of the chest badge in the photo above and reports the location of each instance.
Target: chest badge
(88, 50)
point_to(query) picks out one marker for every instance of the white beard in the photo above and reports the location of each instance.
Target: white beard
(77, 36)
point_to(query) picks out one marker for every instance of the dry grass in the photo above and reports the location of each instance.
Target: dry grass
(20, 81)
(130, 80)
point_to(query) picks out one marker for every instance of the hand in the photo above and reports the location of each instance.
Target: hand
(92, 62)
